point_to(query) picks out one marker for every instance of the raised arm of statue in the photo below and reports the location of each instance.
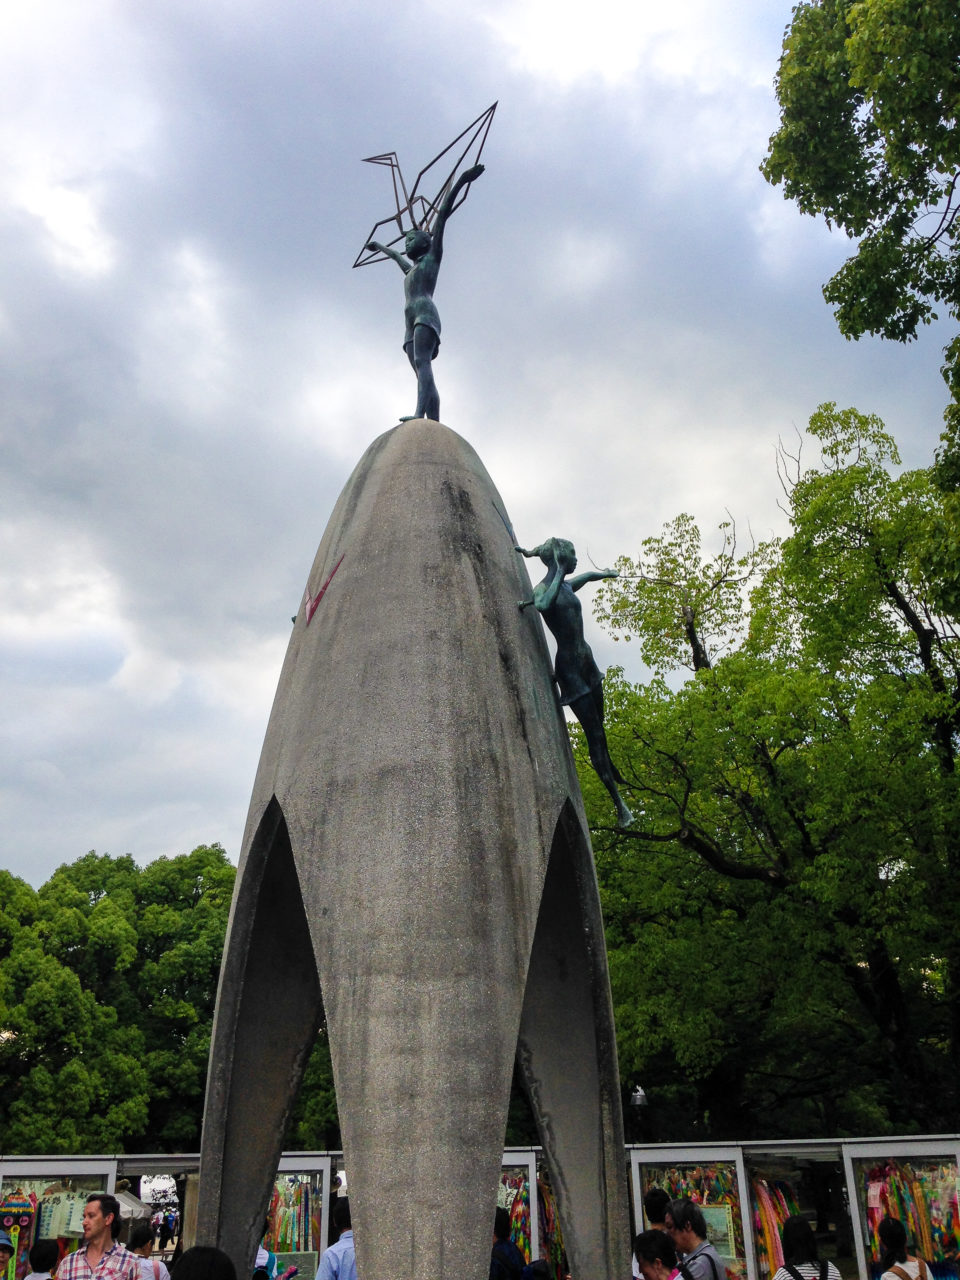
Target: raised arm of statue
(446, 208)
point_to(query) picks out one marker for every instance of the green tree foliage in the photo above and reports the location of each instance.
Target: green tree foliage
(783, 918)
(108, 977)
(868, 93)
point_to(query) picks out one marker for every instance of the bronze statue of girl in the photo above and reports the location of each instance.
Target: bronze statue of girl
(575, 671)
(421, 339)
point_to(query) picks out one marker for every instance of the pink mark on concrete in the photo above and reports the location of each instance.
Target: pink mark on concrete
(313, 601)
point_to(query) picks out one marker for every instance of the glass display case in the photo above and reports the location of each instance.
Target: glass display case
(913, 1180)
(806, 1179)
(713, 1178)
(298, 1215)
(518, 1174)
(44, 1199)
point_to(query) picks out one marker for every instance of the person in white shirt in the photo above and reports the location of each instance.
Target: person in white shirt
(141, 1243)
(896, 1262)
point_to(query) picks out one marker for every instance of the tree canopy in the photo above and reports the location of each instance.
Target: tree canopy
(783, 918)
(868, 93)
(108, 976)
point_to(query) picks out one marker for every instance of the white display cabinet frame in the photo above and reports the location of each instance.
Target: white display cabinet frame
(878, 1149)
(310, 1162)
(684, 1154)
(526, 1157)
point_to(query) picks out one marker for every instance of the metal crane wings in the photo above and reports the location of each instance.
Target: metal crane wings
(414, 209)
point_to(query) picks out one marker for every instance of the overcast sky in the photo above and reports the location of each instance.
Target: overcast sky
(191, 369)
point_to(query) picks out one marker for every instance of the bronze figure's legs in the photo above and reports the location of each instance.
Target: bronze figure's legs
(420, 354)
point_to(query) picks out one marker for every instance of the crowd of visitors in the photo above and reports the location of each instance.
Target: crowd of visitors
(674, 1247)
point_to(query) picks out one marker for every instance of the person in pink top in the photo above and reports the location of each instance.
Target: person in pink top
(655, 1255)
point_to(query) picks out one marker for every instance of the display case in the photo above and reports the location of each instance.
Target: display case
(518, 1175)
(915, 1180)
(44, 1199)
(715, 1179)
(298, 1217)
(805, 1179)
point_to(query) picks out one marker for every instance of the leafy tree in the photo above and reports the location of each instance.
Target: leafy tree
(868, 93)
(783, 917)
(108, 979)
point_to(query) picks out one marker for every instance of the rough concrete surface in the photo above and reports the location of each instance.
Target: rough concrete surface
(416, 850)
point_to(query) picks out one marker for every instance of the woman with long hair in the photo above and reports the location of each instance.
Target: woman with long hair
(896, 1262)
(801, 1257)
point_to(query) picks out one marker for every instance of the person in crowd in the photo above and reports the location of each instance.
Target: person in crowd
(265, 1260)
(101, 1253)
(655, 1205)
(141, 1243)
(655, 1255)
(539, 1270)
(339, 1262)
(896, 1262)
(687, 1228)
(801, 1259)
(506, 1260)
(43, 1259)
(6, 1251)
(204, 1262)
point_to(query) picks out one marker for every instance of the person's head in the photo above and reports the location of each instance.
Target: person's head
(141, 1239)
(655, 1204)
(893, 1237)
(799, 1242)
(6, 1249)
(101, 1217)
(558, 551)
(655, 1254)
(685, 1225)
(416, 244)
(204, 1262)
(341, 1213)
(44, 1255)
(501, 1224)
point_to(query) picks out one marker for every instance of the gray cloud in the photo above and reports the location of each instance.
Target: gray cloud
(191, 369)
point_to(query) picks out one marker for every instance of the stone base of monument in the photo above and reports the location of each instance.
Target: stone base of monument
(416, 864)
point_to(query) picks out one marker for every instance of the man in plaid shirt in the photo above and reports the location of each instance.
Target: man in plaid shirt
(101, 1256)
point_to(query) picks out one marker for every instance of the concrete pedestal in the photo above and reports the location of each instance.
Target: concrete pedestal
(416, 851)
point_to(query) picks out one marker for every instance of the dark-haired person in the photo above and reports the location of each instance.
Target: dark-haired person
(101, 1255)
(655, 1255)
(43, 1259)
(506, 1260)
(339, 1262)
(896, 1262)
(801, 1258)
(141, 1244)
(655, 1205)
(203, 1262)
(687, 1228)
